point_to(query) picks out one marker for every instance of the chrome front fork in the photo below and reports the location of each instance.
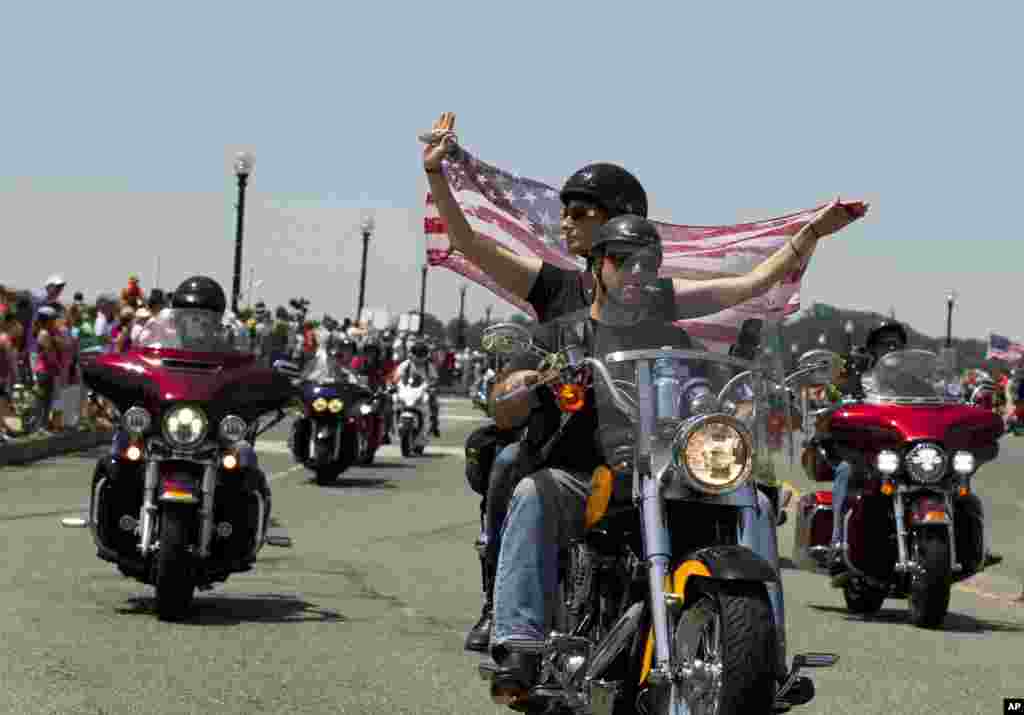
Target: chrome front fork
(206, 510)
(147, 515)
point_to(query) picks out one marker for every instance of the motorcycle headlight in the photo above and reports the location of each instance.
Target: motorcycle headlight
(365, 409)
(137, 420)
(963, 463)
(233, 428)
(319, 404)
(714, 453)
(887, 462)
(185, 426)
(926, 463)
(335, 405)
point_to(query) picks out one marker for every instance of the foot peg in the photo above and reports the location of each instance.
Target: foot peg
(284, 542)
(799, 690)
(74, 522)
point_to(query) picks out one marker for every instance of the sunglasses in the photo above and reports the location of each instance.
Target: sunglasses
(646, 263)
(577, 211)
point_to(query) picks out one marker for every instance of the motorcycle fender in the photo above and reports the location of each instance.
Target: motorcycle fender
(927, 509)
(722, 563)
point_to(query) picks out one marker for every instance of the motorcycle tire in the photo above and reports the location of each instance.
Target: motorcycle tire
(175, 588)
(407, 446)
(930, 591)
(863, 600)
(745, 648)
(325, 476)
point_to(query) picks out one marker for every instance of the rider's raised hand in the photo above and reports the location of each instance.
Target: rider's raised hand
(439, 140)
(837, 216)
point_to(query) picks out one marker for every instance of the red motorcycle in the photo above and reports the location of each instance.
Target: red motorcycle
(915, 527)
(181, 502)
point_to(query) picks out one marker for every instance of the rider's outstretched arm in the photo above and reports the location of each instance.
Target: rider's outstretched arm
(516, 274)
(696, 298)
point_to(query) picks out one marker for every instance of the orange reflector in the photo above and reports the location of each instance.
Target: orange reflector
(935, 516)
(888, 488)
(600, 494)
(134, 453)
(964, 491)
(571, 397)
(229, 461)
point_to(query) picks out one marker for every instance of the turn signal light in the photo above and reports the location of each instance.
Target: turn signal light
(935, 516)
(963, 491)
(133, 453)
(229, 461)
(571, 397)
(888, 488)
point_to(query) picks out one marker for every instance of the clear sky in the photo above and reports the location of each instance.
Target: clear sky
(119, 122)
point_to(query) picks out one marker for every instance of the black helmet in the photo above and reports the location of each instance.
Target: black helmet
(200, 292)
(886, 327)
(609, 186)
(419, 350)
(629, 230)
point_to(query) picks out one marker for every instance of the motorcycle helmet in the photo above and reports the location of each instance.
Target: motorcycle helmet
(201, 293)
(609, 186)
(888, 326)
(629, 231)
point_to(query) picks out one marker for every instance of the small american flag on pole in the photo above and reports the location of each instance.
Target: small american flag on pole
(523, 215)
(1001, 347)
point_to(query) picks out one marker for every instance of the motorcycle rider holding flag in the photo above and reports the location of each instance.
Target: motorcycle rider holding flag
(590, 197)
(418, 364)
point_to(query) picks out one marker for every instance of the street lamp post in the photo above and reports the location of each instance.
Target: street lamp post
(244, 162)
(794, 349)
(848, 328)
(822, 340)
(462, 314)
(366, 227)
(423, 297)
(950, 300)
(487, 312)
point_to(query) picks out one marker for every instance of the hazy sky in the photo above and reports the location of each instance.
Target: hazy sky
(120, 120)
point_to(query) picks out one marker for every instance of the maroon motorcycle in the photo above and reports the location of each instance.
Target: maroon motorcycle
(181, 502)
(914, 528)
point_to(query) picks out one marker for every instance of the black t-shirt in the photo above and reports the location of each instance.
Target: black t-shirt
(558, 292)
(581, 446)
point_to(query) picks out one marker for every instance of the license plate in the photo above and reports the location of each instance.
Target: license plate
(179, 489)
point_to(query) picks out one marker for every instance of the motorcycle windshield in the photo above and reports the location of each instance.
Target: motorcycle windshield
(324, 369)
(911, 376)
(187, 329)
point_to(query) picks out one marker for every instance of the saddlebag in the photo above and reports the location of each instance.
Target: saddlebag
(482, 447)
(813, 531)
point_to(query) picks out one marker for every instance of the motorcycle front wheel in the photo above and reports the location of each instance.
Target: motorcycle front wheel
(174, 586)
(930, 590)
(725, 647)
(407, 443)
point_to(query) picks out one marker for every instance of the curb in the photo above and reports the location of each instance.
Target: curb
(32, 450)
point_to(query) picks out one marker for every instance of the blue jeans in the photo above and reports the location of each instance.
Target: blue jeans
(545, 512)
(840, 490)
(500, 484)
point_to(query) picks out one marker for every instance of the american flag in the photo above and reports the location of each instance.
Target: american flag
(1001, 347)
(522, 215)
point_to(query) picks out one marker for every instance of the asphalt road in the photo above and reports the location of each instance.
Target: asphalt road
(367, 613)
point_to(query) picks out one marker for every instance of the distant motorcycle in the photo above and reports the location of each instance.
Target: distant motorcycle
(412, 412)
(340, 426)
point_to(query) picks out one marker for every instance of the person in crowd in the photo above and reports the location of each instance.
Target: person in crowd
(121, 333)
(10, 338)
(47, 365)
(131, 295)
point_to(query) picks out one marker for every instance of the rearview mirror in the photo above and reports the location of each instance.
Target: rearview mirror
(506, 339)
(826, 366)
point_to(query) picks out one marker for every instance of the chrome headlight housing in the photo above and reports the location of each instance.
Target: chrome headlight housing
(926, 462)
(233, 428)
(137, 420)
(185, 426)
(887, 462)
(335, 405)
(714, 453)
(964, 463)
(319, 404)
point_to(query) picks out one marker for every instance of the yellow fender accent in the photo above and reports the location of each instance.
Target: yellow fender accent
(600, 496)
(677, 585)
